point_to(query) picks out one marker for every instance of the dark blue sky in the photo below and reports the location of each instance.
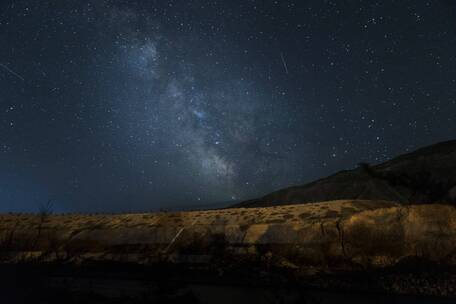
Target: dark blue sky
(139, 105)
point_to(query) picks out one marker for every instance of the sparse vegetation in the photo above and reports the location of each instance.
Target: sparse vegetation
(325, 236)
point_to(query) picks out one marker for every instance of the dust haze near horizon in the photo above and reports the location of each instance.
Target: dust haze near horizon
(142, 105)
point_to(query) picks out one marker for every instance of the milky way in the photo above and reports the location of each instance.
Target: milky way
(204, 124)
(141, 105)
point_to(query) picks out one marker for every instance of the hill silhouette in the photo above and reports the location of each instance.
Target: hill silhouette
(427, 175)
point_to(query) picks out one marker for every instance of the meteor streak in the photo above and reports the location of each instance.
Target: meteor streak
(284, 63)
(11, 71)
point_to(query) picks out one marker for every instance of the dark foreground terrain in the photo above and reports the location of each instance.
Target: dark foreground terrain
(166, 283)
(339, 251)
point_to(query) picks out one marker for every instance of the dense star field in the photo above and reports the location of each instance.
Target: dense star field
(141, 105)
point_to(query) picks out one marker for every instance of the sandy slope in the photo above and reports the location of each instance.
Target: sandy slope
(374, 233)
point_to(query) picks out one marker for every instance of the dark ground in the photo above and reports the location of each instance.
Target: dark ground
(122, 283)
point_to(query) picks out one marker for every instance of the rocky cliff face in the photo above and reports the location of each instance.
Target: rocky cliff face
(427, 175)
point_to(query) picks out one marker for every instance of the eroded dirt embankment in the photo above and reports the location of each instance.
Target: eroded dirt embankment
(305, 240)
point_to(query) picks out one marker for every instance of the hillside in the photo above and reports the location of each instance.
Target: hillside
(427, 175)
(305, 241)
(76, 237)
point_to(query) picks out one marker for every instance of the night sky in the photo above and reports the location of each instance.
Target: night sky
(140, 105)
